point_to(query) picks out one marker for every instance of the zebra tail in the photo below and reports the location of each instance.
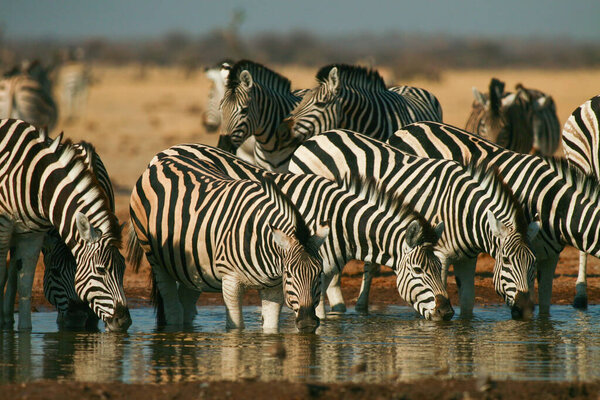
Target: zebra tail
(157, 302)
(134, 249)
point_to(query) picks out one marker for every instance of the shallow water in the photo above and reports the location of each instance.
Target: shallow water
(389, 344)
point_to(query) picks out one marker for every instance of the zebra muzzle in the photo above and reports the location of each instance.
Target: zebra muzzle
(306, 320)
(120, 321)
(522, 307)
(443, 309)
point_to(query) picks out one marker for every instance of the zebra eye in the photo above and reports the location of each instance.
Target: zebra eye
(321, 104)
(244, 110)
(101, 270)
(505, 260)
(417, 270)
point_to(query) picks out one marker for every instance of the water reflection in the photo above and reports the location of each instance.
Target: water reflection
(388, 345)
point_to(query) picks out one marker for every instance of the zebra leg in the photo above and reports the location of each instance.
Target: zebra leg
(233, 293)
(167, 287)
(546, 270)
(188, 298)
(464, 273)
(581, 300)
(6, 229)
(334, 294)
(28, 247)
(11, 290)
(272, 300)
(362, 303)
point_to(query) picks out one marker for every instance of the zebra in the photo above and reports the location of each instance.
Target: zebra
(255, 103)
(74, 79)
(502, 119)
(45, 185)
(211, 118)
(365, 224)
(223, 234)
(581, 145)
(480, 214)
(26, 94)
(543, 120)
(356, 98)
(559, 195)
(60, 265)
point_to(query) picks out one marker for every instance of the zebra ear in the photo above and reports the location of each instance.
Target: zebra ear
(509, 100)
(413, 235)
(541, 103)
(86, 230)
(439, 229)
(479, 97)
(56, 142)
(532, 230)
(281, 239)
(333, 79)
(319, 237)
(498, 228)
(246, 80)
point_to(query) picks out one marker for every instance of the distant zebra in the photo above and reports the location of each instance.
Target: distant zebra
(45, 185)
(220, 233)
(366, 224)
(27, 95)
(504, 120)
(255, 103)
(218, 77)
(479, 213)
(356, 98)
(60, 265)
(74, 80)
(565, 201)
(581, 144)
(543, 120)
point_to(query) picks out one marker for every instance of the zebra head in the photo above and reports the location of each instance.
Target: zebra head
(302, 269)
(419, 273)
(238, 110)
(99, 276)
(317, 112)
(514, 268)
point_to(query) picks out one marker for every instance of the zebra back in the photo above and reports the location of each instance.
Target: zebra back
(581, 137)
(356, 98)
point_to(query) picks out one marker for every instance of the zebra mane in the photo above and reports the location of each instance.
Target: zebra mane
(369, 189)
(586, 183)
(259, 73)
(489, 177)
(301, 230)
(353, 75)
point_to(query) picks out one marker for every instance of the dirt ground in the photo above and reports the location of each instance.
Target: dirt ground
(131, 114)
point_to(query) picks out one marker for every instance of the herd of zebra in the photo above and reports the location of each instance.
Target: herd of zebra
(349, 169)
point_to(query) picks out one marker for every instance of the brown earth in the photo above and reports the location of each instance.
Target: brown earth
(130, 117)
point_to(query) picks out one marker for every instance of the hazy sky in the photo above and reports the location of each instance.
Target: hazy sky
(78, 19)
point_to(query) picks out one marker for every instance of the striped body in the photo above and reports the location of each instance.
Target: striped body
(543, 120)
(208, 232)
(45, 185)
(356, 98)
(365, 225)
(581, 144)
(256, 101)
(504, 119)
(74, 79)
(60, 265)
(27, 95)
(478, 211)
(564, 201)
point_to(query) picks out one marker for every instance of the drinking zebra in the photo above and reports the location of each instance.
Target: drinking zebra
(366, 224)
(255, 103)
(60, 265)
(204, 231)
(45, 185)
(218, 77)
(563, 199)
(26, 94)
(479, 213)
(356, 98)
(581, 144)
(543, 120)
(501, 119)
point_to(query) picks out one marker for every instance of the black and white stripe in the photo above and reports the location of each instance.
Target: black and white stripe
(255, 103)
(502, 118)
(26, 94)
(366, 224)
(204, 231)
(45, 185)
(217, 75)
(564, 200)
(356, 98)
(581, 145)
(479, 213)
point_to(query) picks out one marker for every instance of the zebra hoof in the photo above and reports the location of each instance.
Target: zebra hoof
(580, 302)
(361, 309)
(338, 309)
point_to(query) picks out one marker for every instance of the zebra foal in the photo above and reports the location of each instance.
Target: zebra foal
(208, 232)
